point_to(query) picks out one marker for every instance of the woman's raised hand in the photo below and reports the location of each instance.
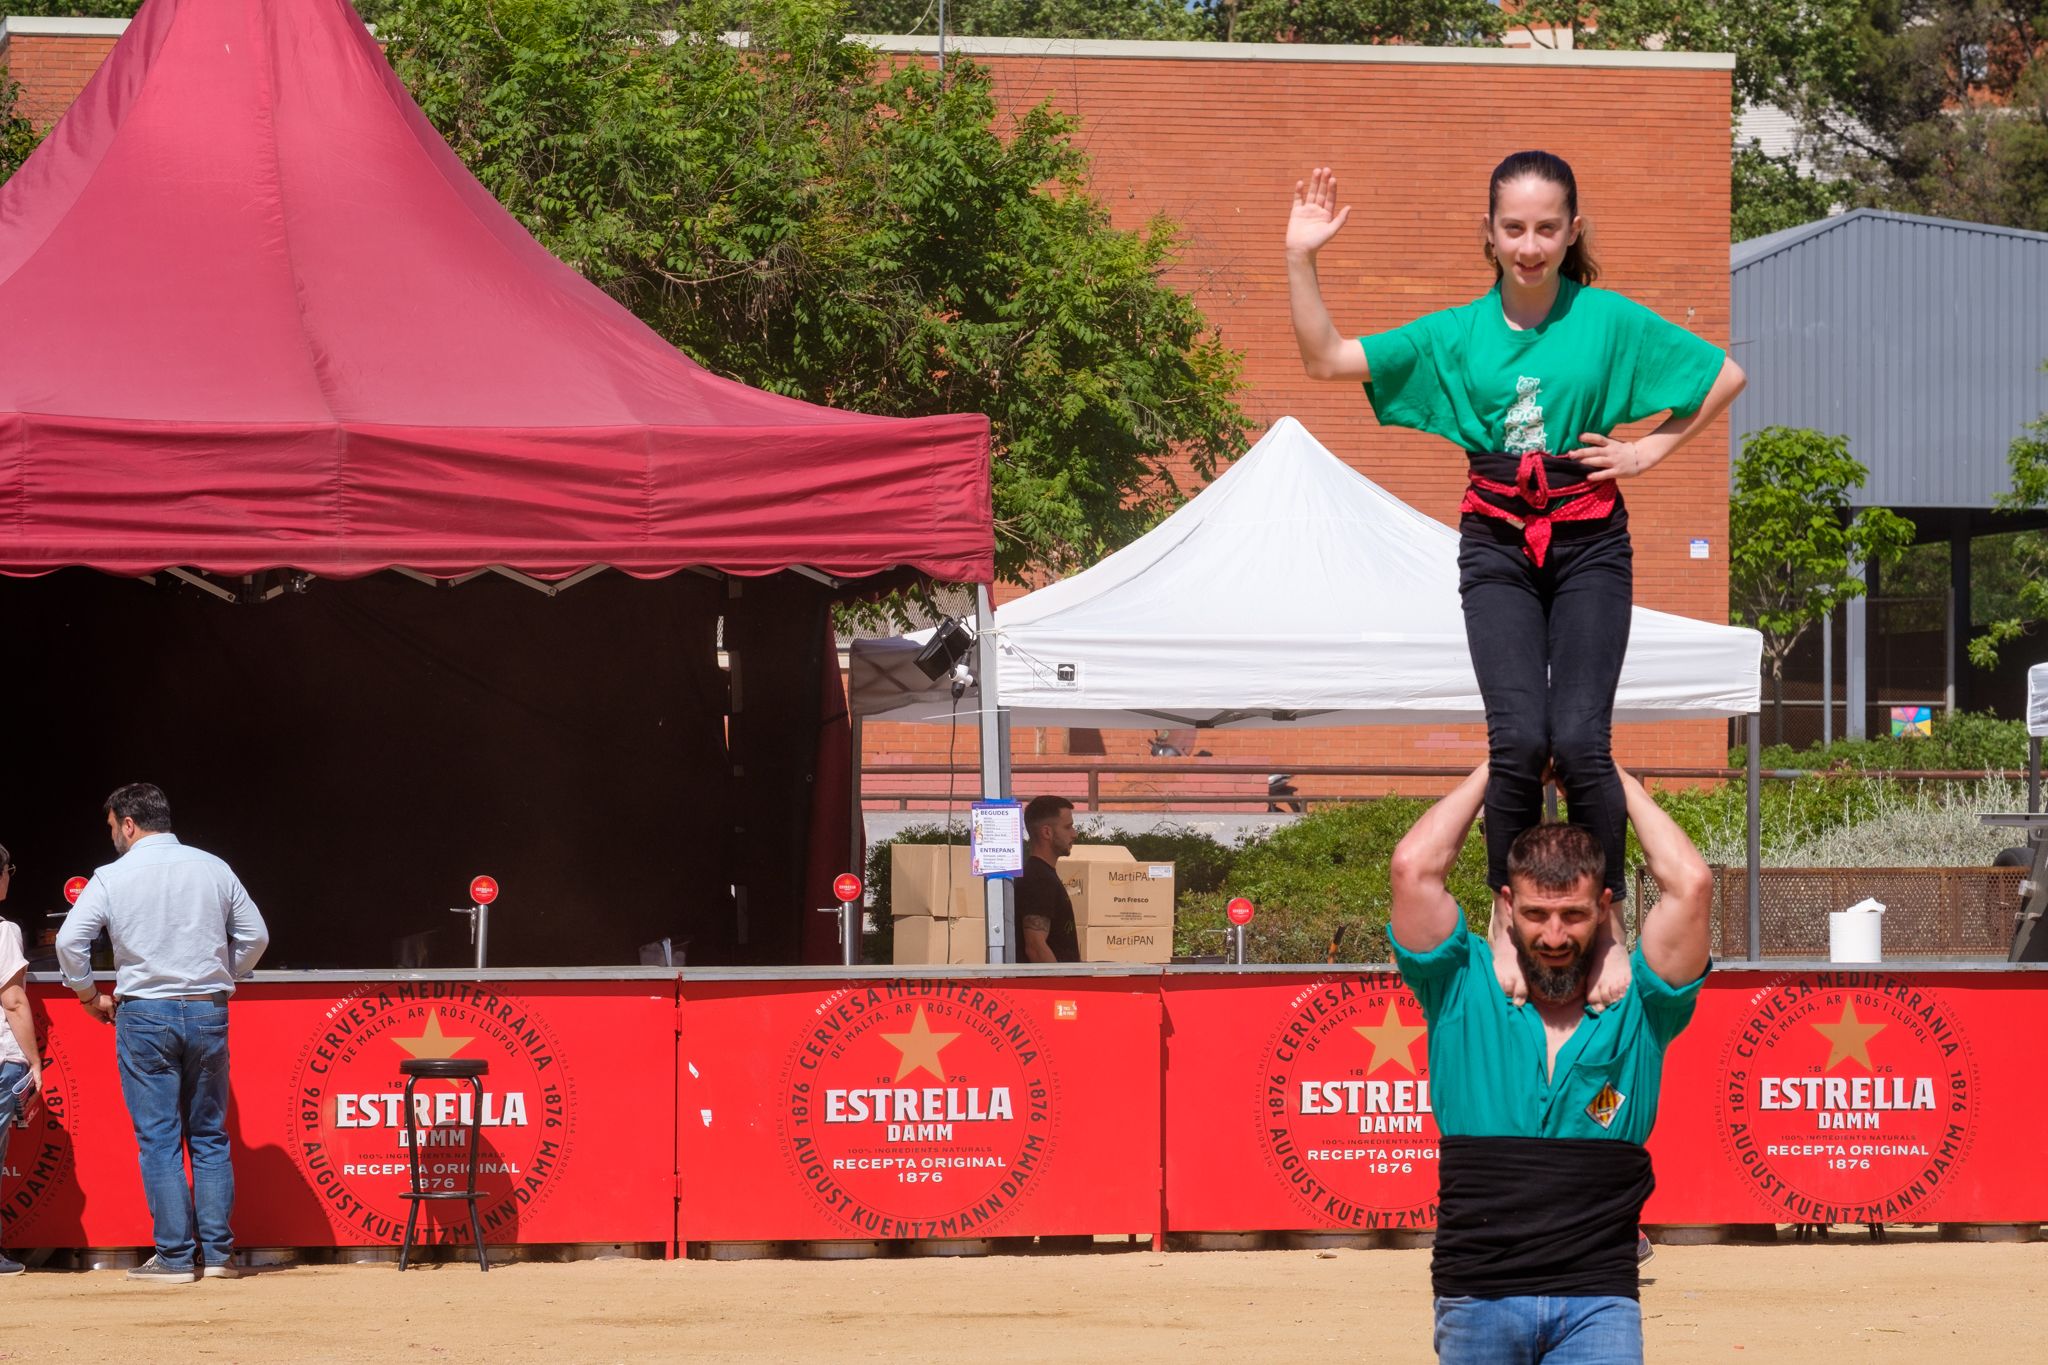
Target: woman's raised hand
(1315, 217)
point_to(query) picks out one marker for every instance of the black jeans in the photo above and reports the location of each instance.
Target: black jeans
(1547, 644)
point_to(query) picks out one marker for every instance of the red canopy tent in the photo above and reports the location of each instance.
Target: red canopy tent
(258, 315)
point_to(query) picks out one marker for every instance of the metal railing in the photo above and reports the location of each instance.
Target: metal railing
(1166, 796)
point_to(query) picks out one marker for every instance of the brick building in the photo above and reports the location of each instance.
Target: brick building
(1214, 136)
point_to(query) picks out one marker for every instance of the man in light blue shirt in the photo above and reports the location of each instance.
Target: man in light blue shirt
(183, 931)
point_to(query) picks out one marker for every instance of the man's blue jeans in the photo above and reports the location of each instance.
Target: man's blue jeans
(174, 1075)
(1591, 1330)
(10, 1103)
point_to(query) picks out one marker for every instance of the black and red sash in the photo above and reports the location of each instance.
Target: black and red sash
(1520, 492)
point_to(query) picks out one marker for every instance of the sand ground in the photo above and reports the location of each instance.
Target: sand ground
(1914, 1299)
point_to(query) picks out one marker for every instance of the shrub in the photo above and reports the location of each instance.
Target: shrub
(1327, 869)
(1965, 741)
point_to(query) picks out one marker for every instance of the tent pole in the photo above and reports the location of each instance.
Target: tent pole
(995, 764)
(858, 833)
(1752, 801)
(1856, 666)
(1827, 678)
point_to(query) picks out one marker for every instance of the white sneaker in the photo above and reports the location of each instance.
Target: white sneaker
(155, 1270)
(226, 1270)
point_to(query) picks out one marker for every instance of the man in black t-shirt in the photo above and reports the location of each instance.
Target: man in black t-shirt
(1045, 916)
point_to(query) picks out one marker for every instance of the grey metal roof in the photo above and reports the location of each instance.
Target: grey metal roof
(1920, 339)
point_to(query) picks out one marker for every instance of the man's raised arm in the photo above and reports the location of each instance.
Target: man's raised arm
(1674, 934)
(1424, 915)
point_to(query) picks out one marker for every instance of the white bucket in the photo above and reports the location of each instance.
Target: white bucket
(1856, 935)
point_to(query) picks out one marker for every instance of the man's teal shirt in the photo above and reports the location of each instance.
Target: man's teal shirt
(1488, 1072)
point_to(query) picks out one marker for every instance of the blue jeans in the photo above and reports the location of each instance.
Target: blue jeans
(174, 1075)
(1591, 1330)
(10, 1103)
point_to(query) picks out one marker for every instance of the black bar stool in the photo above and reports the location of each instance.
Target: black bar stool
(416, 1069)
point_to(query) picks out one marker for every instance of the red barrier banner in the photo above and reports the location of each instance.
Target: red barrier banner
(1301, 1102)
(1297, 1102)
(577, 1116)
(1855, 1097)
(919, 1108)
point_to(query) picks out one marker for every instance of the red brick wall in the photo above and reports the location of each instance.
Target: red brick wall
(51, 70)
(1216, 145)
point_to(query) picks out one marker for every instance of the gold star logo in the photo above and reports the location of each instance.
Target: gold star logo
(1392, 1041)
(1848, 1037)
(431, 1042)
(920, 1048)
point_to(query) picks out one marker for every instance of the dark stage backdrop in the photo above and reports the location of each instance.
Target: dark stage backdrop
(360, 751)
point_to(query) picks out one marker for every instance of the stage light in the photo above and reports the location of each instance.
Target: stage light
(949, 645)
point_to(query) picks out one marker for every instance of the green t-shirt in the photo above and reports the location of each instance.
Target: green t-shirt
(1487, 1055)
(1598, 361)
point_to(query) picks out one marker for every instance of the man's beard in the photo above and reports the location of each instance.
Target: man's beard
(121, 844)
(1553, 985)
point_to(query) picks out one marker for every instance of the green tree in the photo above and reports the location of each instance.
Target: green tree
(803, 216)
(1778, 48)
(1159, 20)
(1770, 194)
(88, 9)
(1941, 107)
(2028, 459)
(18, 137)
(1441, 23)
(1792, 541)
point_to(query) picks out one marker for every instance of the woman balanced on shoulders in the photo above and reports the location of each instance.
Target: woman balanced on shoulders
(1530, 379)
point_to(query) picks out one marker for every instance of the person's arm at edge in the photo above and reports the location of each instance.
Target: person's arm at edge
(1037, 935)
(1674, 936)
(74, 948)
(246, 929)
(1424, 913)
(1326, 353)
(14, 1002)
(1668, 437)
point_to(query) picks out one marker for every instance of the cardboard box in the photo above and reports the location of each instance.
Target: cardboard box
(943, 942)
(1128, 943)
(1109, 888)
(934, 880)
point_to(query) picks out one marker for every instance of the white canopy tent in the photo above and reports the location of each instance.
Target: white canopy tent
(1292, 591)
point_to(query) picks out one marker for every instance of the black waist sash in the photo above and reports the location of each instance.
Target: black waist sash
(1549, 1216)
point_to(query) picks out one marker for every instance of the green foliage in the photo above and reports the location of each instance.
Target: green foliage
(1329, 868)
(804, 217)
(1770, 194)
(1778, 48)
(88, 9)
(1156, 20)
(2028, 460)
(1439, 23)
(1968, 741)
(18, 137)
(1791, 539)
(1941, 107)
